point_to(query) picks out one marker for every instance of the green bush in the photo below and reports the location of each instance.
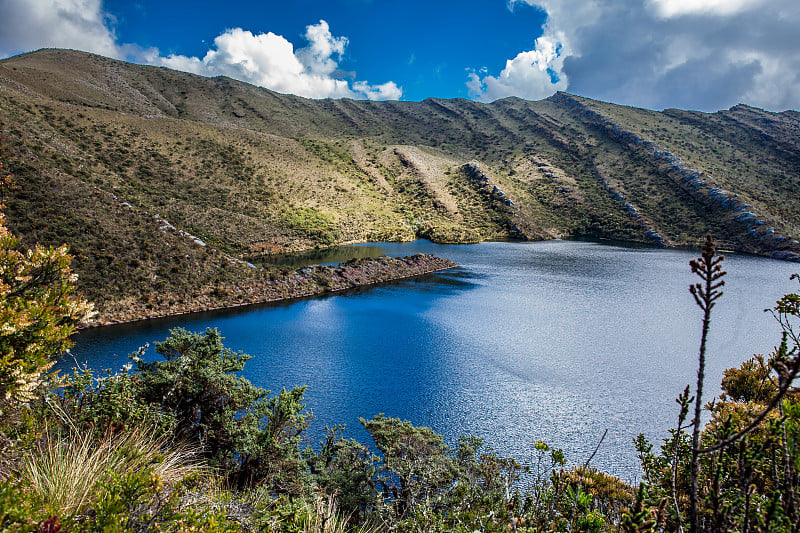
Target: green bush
(740, 471)
(107, 402)
(20, 511)
(251, 437)
(38, 312)
(348, 469)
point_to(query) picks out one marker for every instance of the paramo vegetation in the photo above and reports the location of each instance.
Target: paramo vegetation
(186, 444)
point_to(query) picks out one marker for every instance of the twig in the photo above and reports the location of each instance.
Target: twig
(683, 400)
(580, 480)
(705, 294)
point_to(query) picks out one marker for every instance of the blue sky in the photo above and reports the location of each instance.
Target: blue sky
(426, 47)
(696, 54)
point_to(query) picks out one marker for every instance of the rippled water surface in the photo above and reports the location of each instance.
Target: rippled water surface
(553, 341)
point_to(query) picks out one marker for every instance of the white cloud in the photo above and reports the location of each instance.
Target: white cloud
(705, 55)
(322, 45)
(675, 8)
(265, 59)
(532, 74)
(32, 24)
(385, 91)
(270, 60)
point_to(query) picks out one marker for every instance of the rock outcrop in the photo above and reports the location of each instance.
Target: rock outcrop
(700, 186)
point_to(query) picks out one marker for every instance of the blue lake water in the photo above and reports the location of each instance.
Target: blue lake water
(555, 341)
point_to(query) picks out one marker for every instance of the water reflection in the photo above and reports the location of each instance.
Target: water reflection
(325, 256)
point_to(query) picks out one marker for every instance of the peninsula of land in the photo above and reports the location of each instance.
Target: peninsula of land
(272, 286)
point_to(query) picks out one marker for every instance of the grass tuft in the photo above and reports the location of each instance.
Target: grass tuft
(68, 472)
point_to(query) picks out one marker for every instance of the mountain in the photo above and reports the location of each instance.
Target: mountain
(167, 184)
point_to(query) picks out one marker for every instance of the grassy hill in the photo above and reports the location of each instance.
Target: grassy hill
(163, 181)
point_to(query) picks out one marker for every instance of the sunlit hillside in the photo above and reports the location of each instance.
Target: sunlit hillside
(163, 182)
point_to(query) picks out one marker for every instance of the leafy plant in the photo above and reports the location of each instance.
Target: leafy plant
(38, 313)
(739, 471)
(138, 501)
(347, 469)
(416, 461)
(106, 402)
(18, 510)
(252, 437)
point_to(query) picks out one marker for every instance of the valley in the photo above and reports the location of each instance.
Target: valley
(166, 184)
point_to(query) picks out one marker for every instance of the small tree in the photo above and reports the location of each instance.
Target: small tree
(252, 437)
(347, 469)
(38, 311)
(416, 457)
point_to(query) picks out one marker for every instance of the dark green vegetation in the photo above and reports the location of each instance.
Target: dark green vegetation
(102, 148)
(185, 444)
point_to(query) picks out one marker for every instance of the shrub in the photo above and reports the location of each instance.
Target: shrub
(138, 501)
(415, 459)
(38, 313)
(107, 403)
(19, 511)
(740, 472)
(247, 434)
(750, 382)
(347, 469)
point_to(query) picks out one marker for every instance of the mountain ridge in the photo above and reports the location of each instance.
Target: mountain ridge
(250, 172)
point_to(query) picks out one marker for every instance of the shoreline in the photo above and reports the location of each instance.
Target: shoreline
(315, 280)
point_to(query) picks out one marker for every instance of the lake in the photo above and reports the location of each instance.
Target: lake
(555, 341)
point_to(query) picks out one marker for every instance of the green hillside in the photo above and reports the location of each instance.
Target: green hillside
(162, 181)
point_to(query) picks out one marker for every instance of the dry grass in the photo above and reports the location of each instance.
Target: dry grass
(67, 472)
(324, 517)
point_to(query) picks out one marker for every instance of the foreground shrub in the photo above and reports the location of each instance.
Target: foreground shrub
(138, 501)
(740, 471)
(104, 402)
(250, 436)
(416, 462)
(19, 511)
(348, 469)
(38, 313)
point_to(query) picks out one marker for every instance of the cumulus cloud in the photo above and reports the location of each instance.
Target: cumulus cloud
(32, 24)
(322, 46)
(264, 59)
(672, 53)
(269, 60)
(384, 91)
(532, 74)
